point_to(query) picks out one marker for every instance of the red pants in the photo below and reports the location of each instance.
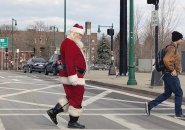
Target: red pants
(74, 95)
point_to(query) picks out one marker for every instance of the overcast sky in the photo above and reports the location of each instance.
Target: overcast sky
(98, 12)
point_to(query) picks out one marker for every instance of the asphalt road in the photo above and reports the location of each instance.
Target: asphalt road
(25, 97)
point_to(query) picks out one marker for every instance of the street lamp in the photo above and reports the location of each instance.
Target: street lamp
(110, 32)
(64, 18)
(14, 22)
(88, 33)
(131, 80)
(54, 28)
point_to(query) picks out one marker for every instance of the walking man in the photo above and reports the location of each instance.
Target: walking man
(72, 77)
(170, 77)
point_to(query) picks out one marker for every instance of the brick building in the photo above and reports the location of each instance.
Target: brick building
(40, 44)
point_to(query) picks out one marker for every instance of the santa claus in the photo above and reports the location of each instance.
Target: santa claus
(72, 77)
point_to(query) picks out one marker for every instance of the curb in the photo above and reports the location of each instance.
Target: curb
(130, 89)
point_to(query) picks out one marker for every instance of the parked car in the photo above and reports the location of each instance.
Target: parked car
(100, 67)
(34, 64)
(52, 66)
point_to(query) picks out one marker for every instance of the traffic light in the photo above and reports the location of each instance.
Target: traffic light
(110, 32)
(34, 50)
(6, 52)
(6, 49)
(155, 2)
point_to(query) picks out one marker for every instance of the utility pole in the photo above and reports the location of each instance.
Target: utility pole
(55, 29)
(64, 18)
(13, 21)
(88, 33)
(112, 69)
(123, 38)
(131, 80)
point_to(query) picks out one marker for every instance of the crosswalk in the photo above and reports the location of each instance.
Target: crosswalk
(29, 96)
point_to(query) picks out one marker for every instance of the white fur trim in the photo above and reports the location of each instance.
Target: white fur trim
(73, 78)
(64, 103)
(77, 30)
(74, 111)
(65, 80)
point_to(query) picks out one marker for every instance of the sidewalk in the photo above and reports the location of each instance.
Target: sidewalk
(100, 77)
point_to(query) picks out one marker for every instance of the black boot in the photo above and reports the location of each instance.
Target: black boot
(54, 111)
(74, 124)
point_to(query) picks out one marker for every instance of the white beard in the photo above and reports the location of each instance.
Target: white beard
(78, 42)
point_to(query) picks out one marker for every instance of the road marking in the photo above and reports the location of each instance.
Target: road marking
(85, 109)
(168, 118)
(2, 77)
(59, 121)
(62, 94)
(95, 98)
(5, 83)
(38, 80)
(125, 109)
(1, 125)
(27, 91)
(29, 103)
(165, 103)
(88, 114)
(15, 80)
(75, 129)
(54, 93)
(13, 88)
(22, 109)
(18, 76)
(121, 100)
(124, 122)
(23, 83)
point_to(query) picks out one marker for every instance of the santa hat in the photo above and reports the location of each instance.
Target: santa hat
(77, 29)
(176, 36)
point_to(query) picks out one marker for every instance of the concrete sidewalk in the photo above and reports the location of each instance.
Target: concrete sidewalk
(100, 77)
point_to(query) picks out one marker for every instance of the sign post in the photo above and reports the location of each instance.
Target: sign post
(3, 44)
(17, 59)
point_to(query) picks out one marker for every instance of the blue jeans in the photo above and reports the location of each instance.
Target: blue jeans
(171, 85)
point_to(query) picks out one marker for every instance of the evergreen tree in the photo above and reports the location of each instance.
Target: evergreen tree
(103, 52)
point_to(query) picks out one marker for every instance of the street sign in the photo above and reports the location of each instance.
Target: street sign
(3, 42)
(155, 18)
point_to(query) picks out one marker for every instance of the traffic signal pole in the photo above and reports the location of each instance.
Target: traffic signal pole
(110, 32)
(123, 67)
(112, 69)
(156, 34)
(156, 76)
(2, 58)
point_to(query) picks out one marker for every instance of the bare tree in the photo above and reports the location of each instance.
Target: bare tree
(137, 32)
(167, 23)
(117, 50)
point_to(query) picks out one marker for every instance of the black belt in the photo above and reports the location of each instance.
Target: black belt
(80, 71)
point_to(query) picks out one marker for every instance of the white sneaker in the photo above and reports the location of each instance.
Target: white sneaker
(147, 109)
(179, 116)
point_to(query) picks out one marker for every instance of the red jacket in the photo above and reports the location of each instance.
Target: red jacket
(73, 59)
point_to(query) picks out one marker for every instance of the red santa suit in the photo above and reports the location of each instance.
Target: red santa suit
(72, 76)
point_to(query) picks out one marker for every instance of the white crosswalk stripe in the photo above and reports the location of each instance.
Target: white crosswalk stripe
(1, 125)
